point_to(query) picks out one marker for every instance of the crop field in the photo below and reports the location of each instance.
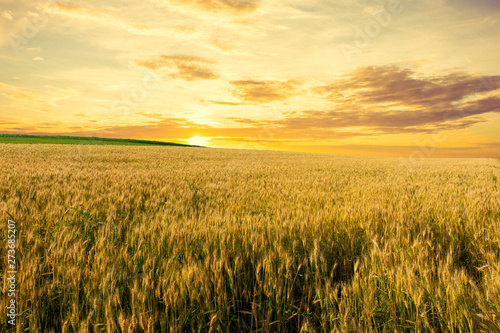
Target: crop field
(173, 239)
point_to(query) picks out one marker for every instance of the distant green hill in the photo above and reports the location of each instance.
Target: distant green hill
(81, 140)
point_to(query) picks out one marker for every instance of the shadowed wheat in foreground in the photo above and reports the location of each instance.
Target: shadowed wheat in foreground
(169, 239)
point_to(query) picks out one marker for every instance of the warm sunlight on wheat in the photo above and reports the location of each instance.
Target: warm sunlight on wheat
(169, 239)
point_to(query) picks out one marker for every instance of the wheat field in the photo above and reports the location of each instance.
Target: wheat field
(171, 239)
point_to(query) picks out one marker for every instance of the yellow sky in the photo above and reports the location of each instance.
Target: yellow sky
(377, 78)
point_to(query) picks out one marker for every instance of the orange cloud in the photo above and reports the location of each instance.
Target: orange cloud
(393, 85)
(391, 99)
(264, 91)
(180, 128)
(18, 93)
(380, 100)
(184, 67)
(225, 103)
(234, 7)
(184, 129)
(82, 10)
(218, 45)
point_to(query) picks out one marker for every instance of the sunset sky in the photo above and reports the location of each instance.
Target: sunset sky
(376, 78)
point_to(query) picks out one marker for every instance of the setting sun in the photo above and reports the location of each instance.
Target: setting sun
(198, 141)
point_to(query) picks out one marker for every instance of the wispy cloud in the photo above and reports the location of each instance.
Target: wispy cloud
(394, 85)
(225, 47)
(7, 14)
(224, 103)
(395, 99)
(183, 67)
(252, 91)
(234, 7)
(32, 100)
(109, 16)
(184, 129)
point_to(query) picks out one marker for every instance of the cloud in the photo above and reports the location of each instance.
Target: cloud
(402, 86)
(379, 121)
(166, 128)
(157, 116)
(14, 92)
(379, 100)
(395, 99)
(234, 7)
(108, 16)
(217, 44)
(85, 11)
(264, 91)
(184, 67)
(172, 128)
(27, 99)
(244, 120)
(7, 14)
(225, 103)
(224, 47)
(181, 129)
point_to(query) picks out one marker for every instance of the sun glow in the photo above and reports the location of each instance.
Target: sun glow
(198, 141)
